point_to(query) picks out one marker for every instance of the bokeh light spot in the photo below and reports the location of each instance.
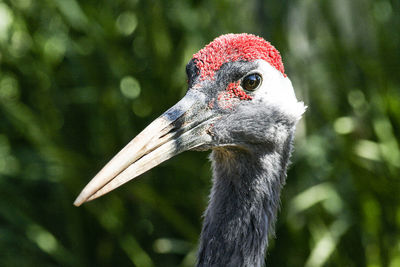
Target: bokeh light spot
(44, 239)
(6, 18)
(9, 88)
(344, 125)
(368, 150)
(130, 87)
(20, 43)
(55, 47)
(356, 99)
(126, 23)
(141, 109)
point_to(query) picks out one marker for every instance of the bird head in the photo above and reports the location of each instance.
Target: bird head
(238, 96)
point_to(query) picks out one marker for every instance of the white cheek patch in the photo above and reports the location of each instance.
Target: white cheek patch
(277, 90)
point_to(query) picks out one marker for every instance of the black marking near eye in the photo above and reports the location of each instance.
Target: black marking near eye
(192, 72)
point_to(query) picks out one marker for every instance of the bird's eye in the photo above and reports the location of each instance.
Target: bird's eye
(251, 82)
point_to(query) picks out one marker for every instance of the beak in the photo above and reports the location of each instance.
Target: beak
(183, 127)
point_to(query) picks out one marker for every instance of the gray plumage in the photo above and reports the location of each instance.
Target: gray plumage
(251, 145)
(246, 112)
(247, 181)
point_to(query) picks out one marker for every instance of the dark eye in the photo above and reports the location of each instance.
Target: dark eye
(251, 82)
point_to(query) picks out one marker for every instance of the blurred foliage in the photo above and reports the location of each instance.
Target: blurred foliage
(79, 79)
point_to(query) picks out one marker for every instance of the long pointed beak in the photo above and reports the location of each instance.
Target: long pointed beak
(182, 127)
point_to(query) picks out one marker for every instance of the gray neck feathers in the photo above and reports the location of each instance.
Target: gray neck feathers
(243, 204)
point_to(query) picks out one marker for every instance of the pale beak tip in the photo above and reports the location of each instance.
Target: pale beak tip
(79, 201)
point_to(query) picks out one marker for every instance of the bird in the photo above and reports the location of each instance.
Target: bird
(241, 105)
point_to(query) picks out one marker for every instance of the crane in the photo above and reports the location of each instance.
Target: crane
(241, 105)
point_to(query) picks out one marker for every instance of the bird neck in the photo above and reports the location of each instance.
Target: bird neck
(243, 204)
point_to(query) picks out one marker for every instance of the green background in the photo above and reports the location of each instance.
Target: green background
(79, 79)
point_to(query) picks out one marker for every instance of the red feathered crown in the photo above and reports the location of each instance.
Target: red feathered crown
(234, 47)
